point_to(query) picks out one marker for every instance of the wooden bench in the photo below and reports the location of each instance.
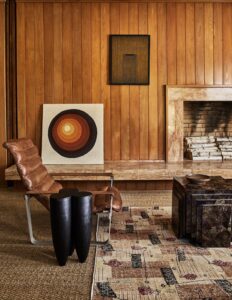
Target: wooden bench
(131, 171)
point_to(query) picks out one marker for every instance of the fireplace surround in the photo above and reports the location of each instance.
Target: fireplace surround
(176, 96)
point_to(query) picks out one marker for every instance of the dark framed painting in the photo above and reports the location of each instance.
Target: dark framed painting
(129, 59)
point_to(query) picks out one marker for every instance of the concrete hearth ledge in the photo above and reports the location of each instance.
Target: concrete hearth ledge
(132, 170)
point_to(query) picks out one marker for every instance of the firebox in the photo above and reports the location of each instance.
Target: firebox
(211, 118)
(208, 130)
(201, 114)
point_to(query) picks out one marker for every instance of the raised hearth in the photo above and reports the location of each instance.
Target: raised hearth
(124, 171)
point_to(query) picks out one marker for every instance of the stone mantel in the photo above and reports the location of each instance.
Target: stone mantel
(175, 97)
(127, 171)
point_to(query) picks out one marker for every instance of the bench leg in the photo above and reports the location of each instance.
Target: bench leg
(10, 183)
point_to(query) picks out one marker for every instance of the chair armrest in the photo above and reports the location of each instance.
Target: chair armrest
(102, 193)
(39, 192)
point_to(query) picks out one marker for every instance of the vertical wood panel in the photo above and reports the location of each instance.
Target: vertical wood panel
(144, 95)
(21, 99)
(3, 135)
(67, 51)
(39, 67)
(208, 43)
(86, 53)
(105, 88)
(124, 89)
(115, 90)
(180, 36)
(30, 71)
(153, 99)
(171, 42)
(227, 43)
(162, 76)
(77, 49)
(48, 53)
(190, 43)
(134, 91)
(200, 43)
(218, 78)
(58, 54)
(96, 53)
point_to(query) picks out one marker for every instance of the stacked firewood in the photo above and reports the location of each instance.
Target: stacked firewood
(201, 148)
(225, 146)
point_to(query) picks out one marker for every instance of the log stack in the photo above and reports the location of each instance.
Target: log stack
(202, 148)
(225, 146)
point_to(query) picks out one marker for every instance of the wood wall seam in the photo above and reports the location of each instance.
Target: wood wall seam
(3, 131)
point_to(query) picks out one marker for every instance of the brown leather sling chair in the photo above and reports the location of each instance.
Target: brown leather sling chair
(40, 185)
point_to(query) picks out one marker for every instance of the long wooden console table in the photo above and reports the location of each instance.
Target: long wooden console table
(126, 171)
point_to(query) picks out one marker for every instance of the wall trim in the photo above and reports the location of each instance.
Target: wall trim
(118, 1)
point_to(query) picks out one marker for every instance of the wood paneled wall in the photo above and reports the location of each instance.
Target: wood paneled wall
(3, 156)
(62, 57)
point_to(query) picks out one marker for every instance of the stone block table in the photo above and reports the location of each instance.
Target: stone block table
(202, 212)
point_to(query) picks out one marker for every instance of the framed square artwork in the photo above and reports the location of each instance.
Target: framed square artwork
(129, 59)
(72, 134)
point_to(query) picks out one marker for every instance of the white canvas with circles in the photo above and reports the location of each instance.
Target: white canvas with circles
(72, 134)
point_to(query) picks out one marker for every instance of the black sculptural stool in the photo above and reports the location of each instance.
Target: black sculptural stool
(82, 223)
(60, 212)
(71, 222)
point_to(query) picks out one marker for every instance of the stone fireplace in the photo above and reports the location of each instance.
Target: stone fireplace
(196, 111)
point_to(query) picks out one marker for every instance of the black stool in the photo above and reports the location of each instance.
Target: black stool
(71, 223)
(60, 212)
(82, 223)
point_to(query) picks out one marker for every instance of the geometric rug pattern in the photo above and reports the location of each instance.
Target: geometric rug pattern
(144, 260)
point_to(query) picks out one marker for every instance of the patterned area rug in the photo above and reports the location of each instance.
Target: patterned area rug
(144, 260)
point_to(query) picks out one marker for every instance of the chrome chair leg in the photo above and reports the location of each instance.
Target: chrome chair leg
(110, 212)
(96, 242)
(29, 222)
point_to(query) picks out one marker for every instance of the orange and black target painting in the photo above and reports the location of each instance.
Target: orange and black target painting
(72, 134)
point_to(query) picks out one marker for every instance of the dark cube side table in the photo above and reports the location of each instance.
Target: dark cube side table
(192, 204)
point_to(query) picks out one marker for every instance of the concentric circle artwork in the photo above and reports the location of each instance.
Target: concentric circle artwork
(72, 133)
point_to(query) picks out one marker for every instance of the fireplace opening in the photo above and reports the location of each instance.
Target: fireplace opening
(208, 130)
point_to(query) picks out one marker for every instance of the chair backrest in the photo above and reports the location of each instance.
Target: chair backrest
(29, 165)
